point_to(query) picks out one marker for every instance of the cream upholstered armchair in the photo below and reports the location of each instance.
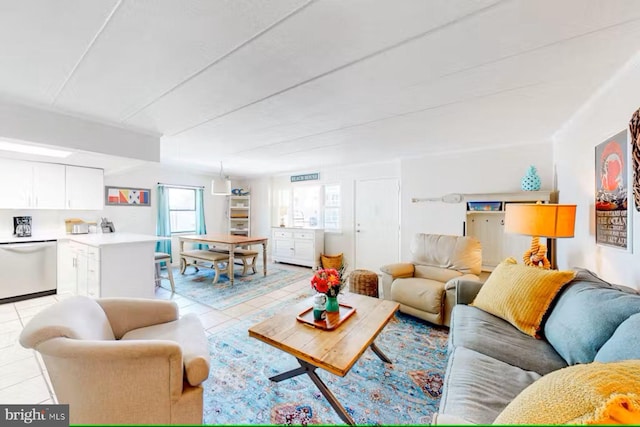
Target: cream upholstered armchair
(122, 360)
(424, 287)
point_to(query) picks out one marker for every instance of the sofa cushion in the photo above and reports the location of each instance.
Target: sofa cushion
(624, 344)
(478, 387)
(188, 332)
(462, 253)
(586, 315)
(521, 294)
(487, 334)
(593, 393)
(423, 294)
(435, 273)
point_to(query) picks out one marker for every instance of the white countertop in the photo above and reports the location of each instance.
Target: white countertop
(91, 239)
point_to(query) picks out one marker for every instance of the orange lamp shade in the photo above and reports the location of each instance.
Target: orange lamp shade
(541, 220)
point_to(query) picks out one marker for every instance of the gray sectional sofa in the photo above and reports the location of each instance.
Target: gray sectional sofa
(491, 362)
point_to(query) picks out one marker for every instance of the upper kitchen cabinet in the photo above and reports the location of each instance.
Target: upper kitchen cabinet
(84, 188)
(31, 185)
(48, 185)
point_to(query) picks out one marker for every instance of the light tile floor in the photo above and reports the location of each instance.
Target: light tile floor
(23, 375)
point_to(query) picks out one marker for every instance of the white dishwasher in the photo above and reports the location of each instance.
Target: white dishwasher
(27, 270)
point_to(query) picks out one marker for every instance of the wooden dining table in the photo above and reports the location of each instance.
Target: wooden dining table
(231, 242)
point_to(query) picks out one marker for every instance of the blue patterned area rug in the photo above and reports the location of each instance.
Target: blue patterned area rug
(407, 391)
(221, 295)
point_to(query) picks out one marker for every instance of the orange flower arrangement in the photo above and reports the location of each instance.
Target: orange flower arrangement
(327, 281)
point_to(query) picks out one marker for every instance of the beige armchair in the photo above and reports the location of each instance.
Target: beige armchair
(422, 287)
(122, 360)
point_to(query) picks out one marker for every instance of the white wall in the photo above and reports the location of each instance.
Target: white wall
(29, 124)
(490, 171)
(263, 218)
(606, 113)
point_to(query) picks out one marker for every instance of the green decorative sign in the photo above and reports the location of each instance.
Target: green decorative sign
(305, 177)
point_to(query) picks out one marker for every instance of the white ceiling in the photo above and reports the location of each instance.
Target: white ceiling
(271, 86)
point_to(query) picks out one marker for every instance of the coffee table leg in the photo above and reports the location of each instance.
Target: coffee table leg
(309, 369)
(379, 353)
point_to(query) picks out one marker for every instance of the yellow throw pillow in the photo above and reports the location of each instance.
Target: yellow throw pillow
(592, 393)
(521, 294)
(331, 261)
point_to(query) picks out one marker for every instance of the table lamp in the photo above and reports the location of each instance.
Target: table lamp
(540, 220)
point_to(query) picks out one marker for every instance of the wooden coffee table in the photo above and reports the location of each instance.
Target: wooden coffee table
(335, 351)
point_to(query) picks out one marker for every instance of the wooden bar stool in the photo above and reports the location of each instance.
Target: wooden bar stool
(164, 257)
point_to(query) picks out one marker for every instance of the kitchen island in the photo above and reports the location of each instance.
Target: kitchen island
(107, 264)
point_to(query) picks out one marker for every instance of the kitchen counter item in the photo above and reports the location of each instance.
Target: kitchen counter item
(82, 228)
(27, 270)
(77, 225)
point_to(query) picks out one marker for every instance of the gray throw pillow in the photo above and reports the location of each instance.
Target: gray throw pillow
(624, 344)
(585, 316)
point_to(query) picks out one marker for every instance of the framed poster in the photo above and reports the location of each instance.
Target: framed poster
(127, 196)
(613, 192)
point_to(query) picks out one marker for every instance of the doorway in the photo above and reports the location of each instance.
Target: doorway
(377, 223)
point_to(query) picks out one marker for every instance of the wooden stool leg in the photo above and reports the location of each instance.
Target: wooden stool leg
(253, 264)
(170, 272)
(245, 266)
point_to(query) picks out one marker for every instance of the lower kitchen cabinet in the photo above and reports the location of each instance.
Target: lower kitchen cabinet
(300, 246)
(122, 270)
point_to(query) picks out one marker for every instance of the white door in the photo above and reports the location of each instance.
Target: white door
(377, 226)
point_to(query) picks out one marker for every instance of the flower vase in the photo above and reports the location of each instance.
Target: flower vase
(332, 305)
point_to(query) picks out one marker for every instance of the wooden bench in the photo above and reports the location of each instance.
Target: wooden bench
(215, 258)
(247, 256)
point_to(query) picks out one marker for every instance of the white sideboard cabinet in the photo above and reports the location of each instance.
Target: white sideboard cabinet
(300, 246)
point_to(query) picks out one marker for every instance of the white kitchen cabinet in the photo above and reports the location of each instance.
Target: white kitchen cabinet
(108, 266)
(48, 186)
(31, 185)
(84, 188)
(301, 246)
(78, 269)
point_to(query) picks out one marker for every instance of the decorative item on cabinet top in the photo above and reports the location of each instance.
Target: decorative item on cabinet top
(531, 181)
(127, 196)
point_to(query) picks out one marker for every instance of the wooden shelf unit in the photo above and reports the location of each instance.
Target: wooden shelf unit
(240, 215)
(488, 226)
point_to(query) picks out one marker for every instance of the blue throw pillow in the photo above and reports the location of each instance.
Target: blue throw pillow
(624, 344)
(586, 315)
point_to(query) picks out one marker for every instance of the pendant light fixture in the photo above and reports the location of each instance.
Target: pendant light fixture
(221, 186)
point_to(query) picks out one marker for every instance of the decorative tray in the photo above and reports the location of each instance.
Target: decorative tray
(332, 320)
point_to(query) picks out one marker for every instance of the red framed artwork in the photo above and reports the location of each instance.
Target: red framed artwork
(613, 195)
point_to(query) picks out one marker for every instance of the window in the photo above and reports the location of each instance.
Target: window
(306, 206)
(312, 206)
(182, 210)
(332, 208)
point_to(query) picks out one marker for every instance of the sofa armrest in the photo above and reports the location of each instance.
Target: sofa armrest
(466, 288)
(398, 270)
(126, 314)
(390, 272)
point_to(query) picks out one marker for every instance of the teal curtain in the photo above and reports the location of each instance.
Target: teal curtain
(163, 222)
(201, 227)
